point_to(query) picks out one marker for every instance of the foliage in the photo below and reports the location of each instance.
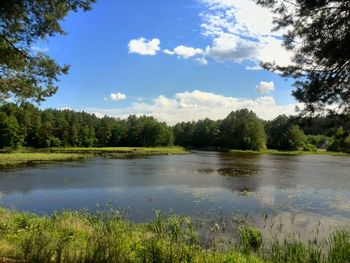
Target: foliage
(10, 132)
(276, 133)
(284, 134)
(340, 142)
(251, 238)
(24, 73)
(339, 246)
(28, 126)
(319, 141)
(243, 130)
(296, 138)
(318, 34)
(72, 236)
(105, 237)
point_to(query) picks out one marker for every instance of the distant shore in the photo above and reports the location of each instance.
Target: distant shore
(9, 158)
(47, 155)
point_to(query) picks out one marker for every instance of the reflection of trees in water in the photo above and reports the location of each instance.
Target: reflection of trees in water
(243, 171)
(277, 170)
(238, 171)
(246, 187)
(280, 171)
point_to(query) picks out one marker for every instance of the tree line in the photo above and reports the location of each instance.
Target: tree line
(28, 126)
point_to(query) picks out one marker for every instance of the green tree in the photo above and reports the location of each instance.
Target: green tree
(104, 132)
(119, 132)
(87, 136)
(134, 131)
(165, 135)
(25, 74)
(318, 34)
(276, 129)
(206, 133)
(340, 142)
(10, 131)
(296, 138)
(243, 130)
(183, 133)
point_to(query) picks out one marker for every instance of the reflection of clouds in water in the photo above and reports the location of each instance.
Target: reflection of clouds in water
(266, 196)
(116, 190)
(305, 225)
(200, 194)
(294, 193)
(184, 189)
(340, 204)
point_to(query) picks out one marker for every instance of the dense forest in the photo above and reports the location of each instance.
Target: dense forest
(28, 126)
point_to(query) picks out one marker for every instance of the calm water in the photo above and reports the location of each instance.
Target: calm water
(202, 183)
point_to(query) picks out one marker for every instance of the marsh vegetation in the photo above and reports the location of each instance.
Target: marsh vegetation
(108, 237)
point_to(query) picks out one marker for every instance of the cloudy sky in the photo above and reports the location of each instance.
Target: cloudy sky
(175, 60)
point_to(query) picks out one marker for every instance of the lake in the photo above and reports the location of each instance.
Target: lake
(312, 188)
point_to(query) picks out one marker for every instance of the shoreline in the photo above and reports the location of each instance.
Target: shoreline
(20, 157)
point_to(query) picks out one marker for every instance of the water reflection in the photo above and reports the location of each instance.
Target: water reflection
(200, 183)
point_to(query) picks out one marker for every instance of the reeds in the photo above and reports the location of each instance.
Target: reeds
(107, 237)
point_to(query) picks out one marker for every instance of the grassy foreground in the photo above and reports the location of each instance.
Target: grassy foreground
(83, 237)
(105, 237)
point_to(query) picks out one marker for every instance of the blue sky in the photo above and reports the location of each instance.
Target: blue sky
(176, 60)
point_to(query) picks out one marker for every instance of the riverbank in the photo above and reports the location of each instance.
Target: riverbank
(122, 151)
(107, 237)
(23, 158)
(34, 156)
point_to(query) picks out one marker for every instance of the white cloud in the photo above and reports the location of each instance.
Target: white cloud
(231, 47)
(184, 51)
(65, 108)
(238, 30)
(265, 87)
(242, 31)
(40, 49)
(238, 17)
(202, 61)
(98, 114)
(256, 67)
(168, 52)
(116, 97)
(144, 47)
(194, 105)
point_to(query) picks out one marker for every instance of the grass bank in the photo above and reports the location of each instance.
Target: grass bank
(21, 158)
(24, 156)
(106, 237)
(122, 152)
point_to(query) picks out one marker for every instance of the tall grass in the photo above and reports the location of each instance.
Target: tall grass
(141, 150)
(17, 158)
(13, 157)
(107, 237)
